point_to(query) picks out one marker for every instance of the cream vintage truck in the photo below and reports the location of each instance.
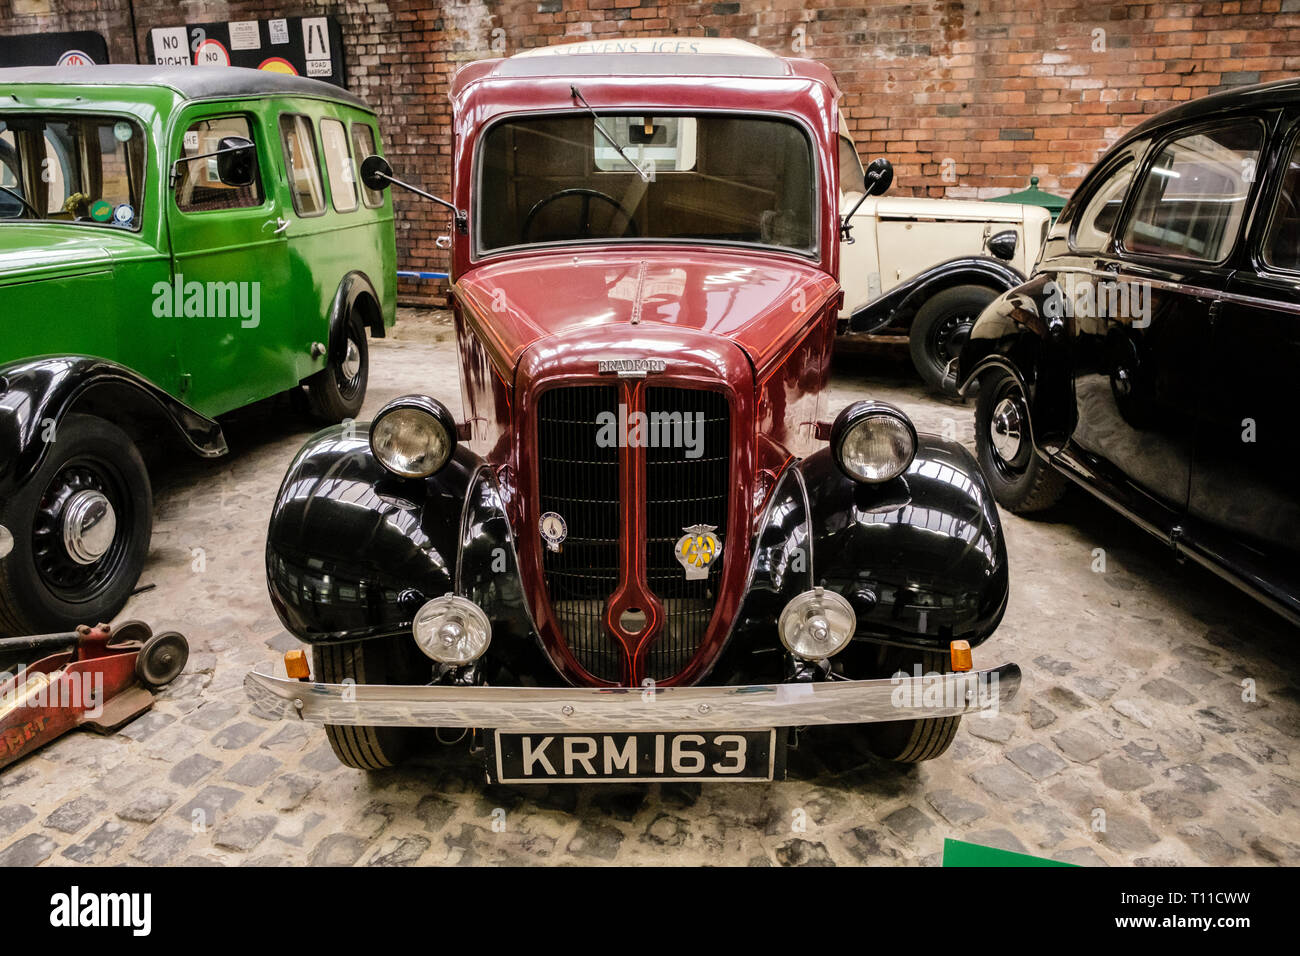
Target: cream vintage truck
(925, 269)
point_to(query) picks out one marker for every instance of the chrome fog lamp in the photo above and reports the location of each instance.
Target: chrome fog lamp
(817, 624)
(452, 630)
(413, 436)
(873, 442)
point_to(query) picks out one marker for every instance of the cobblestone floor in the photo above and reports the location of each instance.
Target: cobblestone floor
(1135, 739)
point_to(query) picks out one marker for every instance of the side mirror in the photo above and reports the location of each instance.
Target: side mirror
(236, 161)
(376, 173)
(878, 176)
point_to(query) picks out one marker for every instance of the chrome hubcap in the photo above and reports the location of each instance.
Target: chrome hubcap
(89, 524)
(1005, 429)
(351, 367)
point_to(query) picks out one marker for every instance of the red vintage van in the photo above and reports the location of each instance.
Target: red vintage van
(640, 553)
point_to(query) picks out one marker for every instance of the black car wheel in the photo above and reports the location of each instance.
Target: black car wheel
(377, 661)
(1021, 481)
(336, 392)
(79, 528)
(911, 741)
(941, 327)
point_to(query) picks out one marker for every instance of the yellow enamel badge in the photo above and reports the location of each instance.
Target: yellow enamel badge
(698, 549)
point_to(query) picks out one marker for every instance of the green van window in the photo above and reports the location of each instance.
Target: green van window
(338, 163)
(363, 145)
(72, 168)
(199, 187)
(304, 169)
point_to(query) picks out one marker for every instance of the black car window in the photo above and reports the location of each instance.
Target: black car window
(1282, 244)
(1193, 199)
(1097, 220)
(198, 186)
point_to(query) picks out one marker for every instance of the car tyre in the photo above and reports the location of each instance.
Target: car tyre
(1020, 479)
(940, 329)
(336, 392)
(376, 661)
(80, 527)
(911, 741)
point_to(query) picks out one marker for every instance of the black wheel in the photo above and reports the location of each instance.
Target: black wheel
(1021, 481)
(79, 531)
(377, 661)
(911, 741)
(941, 327)
(337, 391)
(162, 659)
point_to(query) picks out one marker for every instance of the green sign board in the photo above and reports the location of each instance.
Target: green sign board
(959, 853)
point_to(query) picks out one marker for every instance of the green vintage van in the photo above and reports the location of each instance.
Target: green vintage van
(175, 243)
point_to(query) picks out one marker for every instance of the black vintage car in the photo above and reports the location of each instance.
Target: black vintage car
(1150, 356)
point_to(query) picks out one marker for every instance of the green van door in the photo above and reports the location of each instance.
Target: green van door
(229, 295)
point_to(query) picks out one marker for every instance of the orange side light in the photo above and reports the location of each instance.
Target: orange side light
(295, 664)
(961, 656)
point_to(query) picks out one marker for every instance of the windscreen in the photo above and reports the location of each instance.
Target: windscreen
(87, 169)
(688, 178)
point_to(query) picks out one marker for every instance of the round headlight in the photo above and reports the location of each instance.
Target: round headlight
(817, 624)
(873, 442)
(413, 436)
(452, 630)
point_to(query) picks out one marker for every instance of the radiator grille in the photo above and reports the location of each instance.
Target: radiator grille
(580, 480)
(681, 492)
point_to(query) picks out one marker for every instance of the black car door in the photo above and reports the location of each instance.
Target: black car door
(1245, 503)
(1139, 356)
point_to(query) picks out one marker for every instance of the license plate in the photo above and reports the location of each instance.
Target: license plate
(643, 755)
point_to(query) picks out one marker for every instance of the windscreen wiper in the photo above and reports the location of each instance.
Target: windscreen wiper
(577, 95)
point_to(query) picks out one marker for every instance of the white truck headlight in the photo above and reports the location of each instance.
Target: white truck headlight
(817, 624)
(452, 630)
(413, 436)
(873, 442)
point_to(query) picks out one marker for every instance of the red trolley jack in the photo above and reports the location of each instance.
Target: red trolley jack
(98, 677)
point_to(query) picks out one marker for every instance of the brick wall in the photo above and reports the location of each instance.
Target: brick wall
(968, 99)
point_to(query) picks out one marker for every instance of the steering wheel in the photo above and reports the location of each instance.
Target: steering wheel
(630, 230)
(27, 207)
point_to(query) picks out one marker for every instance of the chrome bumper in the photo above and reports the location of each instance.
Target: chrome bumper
(583, 709)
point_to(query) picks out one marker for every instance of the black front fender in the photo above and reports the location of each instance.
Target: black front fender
(353, 551)
(904, 299)
(1016, 335)
(922, 558)
(35, 394)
